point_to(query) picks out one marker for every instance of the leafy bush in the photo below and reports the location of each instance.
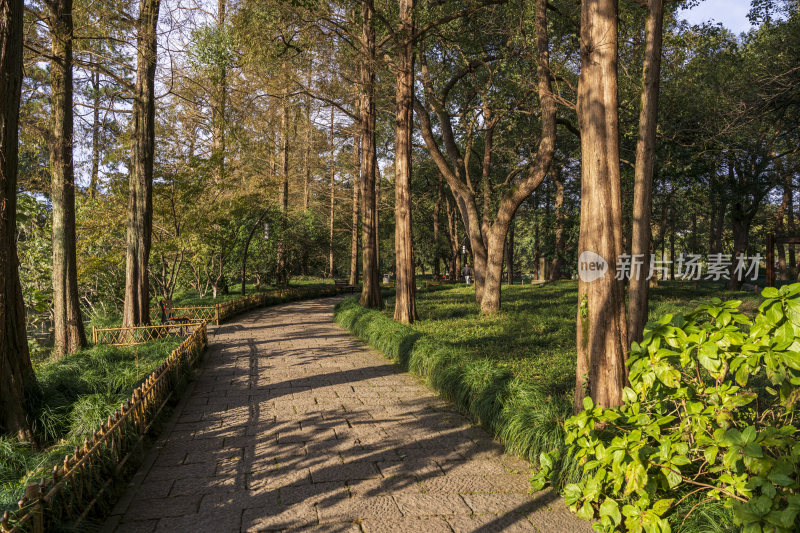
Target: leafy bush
(709, 413)
(77, 393)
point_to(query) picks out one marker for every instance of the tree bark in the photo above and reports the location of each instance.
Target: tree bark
(331, 266)
(405, 308)
(638, 286)
(218, 108)
(307, 153)
(780, 228)
(452, 236)
(741, 220)
(509, 260)
(136, 309)
(95, 171)
(790, 225)
(370, 289)
(559, 247)
(283, 277)
(247, 247)
(68, 329)
(717, 219)
(17, 379)
(601, 335)
(490, 239)
(437, 209)
(356, 202)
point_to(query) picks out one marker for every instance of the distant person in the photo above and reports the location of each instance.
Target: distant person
(467, 273)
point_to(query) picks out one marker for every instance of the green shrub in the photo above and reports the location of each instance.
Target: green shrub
(708, 417)
(516, 411)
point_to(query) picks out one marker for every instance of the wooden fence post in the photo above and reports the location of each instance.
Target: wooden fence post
(34, 494)
(94, 335)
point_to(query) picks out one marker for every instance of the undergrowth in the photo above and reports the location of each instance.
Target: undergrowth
(514, 372)
(76, 394)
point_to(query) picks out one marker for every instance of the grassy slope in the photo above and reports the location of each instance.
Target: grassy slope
(78, 393)
(513, 372)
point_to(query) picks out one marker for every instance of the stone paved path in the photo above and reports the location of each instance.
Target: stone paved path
(294, 424)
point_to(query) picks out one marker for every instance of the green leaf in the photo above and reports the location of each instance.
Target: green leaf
(610, 508)
(668, 375)
(629, 395)
(588, 404)
(710, 454)
(770, 292)
(572, 493)
(635, 477)
(662, 506)
(586, 512)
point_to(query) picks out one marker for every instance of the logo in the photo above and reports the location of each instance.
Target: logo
(591, 266)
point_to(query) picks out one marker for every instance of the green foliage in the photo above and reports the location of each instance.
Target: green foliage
(709, 412)
(513, 372)
(77, 393)
(509, 407)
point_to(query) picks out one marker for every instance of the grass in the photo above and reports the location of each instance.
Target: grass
(77, 393)
(512, 372)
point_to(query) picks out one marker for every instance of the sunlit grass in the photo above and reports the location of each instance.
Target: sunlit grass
(76, 394)
(514, 371)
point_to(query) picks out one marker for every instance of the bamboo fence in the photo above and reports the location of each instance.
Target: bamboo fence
(88, 479)
(86, 482)
(126, 336)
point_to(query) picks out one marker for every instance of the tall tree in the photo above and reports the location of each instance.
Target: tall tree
(487, 233)
(136, 309)
(558, 253)
(331, 266)
(356, 204)
(601, 335)
(219, 101)
(68, 329)
(17, 379)
(405, 308)
(643, 173)
(370, 289)
(283, 275)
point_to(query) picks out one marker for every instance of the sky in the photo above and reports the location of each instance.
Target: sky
(731, 13)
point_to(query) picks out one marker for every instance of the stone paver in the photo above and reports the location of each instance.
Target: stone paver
(294, 424)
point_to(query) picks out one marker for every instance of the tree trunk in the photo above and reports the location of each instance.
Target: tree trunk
(791, 228)
(95, 171)
(307, 156)
(136, 309)
(780, 228)
(601, 335)
(437, 210)
(17, 379)
(356, 202)
(405, 308)
(741, 220)
(490, 302)
(370, 290)
(509, 259)
(283, 278)
(638, 286)
(558, 259)
(218, 109)
(496, 237)
(717, 219)
(452, 236)
(333, 200)
(247, 247)
(68, 330)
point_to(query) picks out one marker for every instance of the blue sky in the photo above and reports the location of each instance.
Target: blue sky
(731, 13)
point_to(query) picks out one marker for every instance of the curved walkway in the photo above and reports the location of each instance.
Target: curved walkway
(294, 424)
